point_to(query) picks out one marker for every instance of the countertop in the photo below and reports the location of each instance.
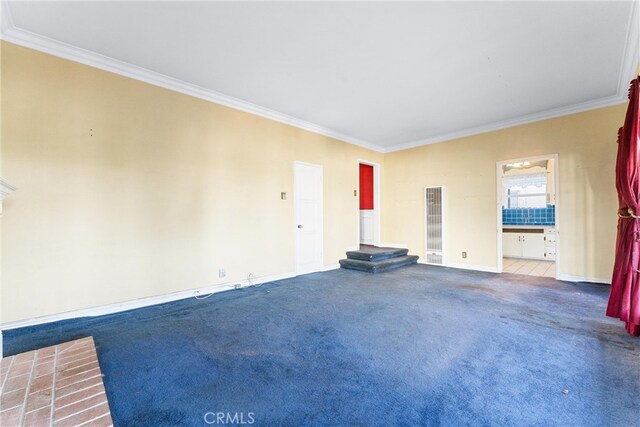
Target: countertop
(530, 226)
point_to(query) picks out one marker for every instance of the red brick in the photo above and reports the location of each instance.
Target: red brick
(12, 398)
(38, 400)
(84, 416)
(39, 417)
(70, 373)
(5, 362)
(79, 385)
(24, 357)
(79, 406)
(70, 398)
(11, 417)
(15, 383)
(42, 360)
(41, 383)
(21, 369)
(75, 363)
(65, 346)
(4, 370)
(104, 421)
(43, 369)
(3, 375)
(72, 355)
(86, 340)
(76, 347)
(46, 352)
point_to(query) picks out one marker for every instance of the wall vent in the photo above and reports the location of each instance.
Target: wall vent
(434, 220)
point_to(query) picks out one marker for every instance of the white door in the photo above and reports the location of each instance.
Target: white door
(308, 216)
(366, 227)
(367, 203)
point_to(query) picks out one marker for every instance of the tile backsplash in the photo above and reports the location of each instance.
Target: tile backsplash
(529, 216)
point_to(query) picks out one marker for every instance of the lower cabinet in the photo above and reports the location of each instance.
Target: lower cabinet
(533, 246)
(524, 244)
(550, 237)
(511, 245)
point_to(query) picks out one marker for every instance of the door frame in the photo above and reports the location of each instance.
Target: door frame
(556, 190)
(320, 267)
(376, 200)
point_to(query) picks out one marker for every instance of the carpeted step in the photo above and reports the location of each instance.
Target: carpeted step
(378, 266)
(372, 253)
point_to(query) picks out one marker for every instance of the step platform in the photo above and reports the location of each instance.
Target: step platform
(373, 259)
(373, 253)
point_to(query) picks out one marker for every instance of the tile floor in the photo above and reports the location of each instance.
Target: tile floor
(59, 385)
(530, 267)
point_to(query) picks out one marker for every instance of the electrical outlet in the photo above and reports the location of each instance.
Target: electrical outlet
(222, 273)
(237, 286)
(464, 254)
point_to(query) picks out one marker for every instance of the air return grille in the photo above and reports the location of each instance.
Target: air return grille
(434, 225)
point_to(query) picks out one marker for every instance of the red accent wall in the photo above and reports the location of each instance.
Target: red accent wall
(366, 187)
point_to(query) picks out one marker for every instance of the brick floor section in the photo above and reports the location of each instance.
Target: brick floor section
(58, 386)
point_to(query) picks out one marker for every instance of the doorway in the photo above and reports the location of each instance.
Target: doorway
(527, 209)
(368, 203)
(308, 216)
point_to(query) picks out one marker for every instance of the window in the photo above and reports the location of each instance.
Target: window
(525, 191)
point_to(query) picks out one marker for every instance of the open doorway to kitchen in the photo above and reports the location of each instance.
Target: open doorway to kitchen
(528, 237)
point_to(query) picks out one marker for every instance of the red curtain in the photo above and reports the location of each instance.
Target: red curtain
(624, 301)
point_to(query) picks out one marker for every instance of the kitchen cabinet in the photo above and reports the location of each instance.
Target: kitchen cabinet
(550, 236)
(524, 243)
(511, 245)
(533, 246)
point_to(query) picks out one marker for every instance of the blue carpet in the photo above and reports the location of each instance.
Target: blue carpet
(420, 345)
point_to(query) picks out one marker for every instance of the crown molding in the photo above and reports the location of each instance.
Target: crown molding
(15, 35)
(628, 69)
(504, 124)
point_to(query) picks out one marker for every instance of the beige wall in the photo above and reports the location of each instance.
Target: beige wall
(127, 190)
(586, 145)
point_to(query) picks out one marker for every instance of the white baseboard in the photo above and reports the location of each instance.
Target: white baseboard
(565, 277)
(143, 302)
(462, 266)
(472, 267)
(149, 301)
(570, 278)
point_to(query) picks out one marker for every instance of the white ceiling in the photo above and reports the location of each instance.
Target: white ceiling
(379, 74)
